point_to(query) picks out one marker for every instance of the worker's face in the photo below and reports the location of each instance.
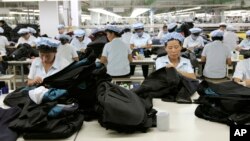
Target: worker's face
(248, 37)
(223, 28)
(48, 57)
(165, 30)
(139, 32)
(110, 36)
(26, 36)
(173, 48)
(80, 38)
(61, 30)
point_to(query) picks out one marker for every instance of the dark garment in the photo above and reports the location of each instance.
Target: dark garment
(168, 84)
(6, 116)
(144, 70)
(121, 76)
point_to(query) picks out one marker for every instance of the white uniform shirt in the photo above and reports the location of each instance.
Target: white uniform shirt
(68, 52)
(117, 53)
(189, 42)
(245, 44)
(80, 45)
(37, 68)
(30, 41)
(230, 40)
(3, 43)
(242, 70)
(140, 41)
(126, 37)
(216, 55)
(160, 34)
(184, 64)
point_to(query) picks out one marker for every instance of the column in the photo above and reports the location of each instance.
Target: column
(75, 8)
(48, 24)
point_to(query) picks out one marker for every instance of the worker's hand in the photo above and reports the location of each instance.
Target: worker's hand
(170, 65)
(37, 80)
(247, 83)
(82, 50)
(243, 83)
(239, 48)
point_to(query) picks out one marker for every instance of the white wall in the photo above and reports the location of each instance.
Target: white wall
(49, 19)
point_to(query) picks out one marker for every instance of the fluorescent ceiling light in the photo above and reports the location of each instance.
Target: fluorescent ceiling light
(105, 12)
(20, 0)
(23, 13)
(25, 10)
(179, 11)
(138, 11)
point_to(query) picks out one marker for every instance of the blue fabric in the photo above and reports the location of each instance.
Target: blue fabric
(54, 94)
(173, 35)
(55, 111)
(209, 91)
(47, 42)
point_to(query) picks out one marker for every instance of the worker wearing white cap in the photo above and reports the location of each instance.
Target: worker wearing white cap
(26, 37)
(61, 30)
(162, 32)
(80, 41)
(66, 50)
(194, 41)
(140, 41)
(222, 26)
(3, 42)
(245, 44)
(127, 34)
(172, 27)
(116, 54)
(230, 38)
(216, 56)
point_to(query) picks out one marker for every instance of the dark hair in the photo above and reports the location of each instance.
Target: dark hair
(47, 49)
(139, 29)
(165, 26)
(217, 38)
(173, 29)
(196, 34)
(23, 34)
(64, 41)
(2, 21)
(172, 39)
(126, 30)
(111, 31)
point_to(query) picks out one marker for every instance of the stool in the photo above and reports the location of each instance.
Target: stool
(128, 79)
(8, 79)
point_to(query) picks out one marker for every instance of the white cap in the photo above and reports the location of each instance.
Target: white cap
(113, 28)
(217, 33)
(223, 24)
(1, 30)
(195, 30)
(248, 33)
(60, 26)
(47, 41)
(32, 30)
(79, 33)
(23, 31)
(63, 36)
(172, 26)
(138, 26)
(173, 35)
(231, 28)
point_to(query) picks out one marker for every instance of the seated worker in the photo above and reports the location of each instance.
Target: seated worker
(173, 46)
(26, 37)
(65, 50)
(3, 42)
(80, 41)
(216, 57)
(116, 54)
(242, 72)
(194, 41)
(61, 31)
(162, 32)
(140, 40)
(245, 44)
(48, 63)
(32, 31)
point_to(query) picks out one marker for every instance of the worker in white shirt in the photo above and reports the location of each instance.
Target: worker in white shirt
(172, 27)
(66, 50)
(230, 38)
(80, 41)
(245, 44)
(222, 27)
(173, 45)
(140, 42)
(162, 32)
(126, 36)
(26, 37)
(48, 63)
(216, 56)
(194, 41)
(3, 43)
(32, 31)
(242, 72)
(116, 53)
(61, 30)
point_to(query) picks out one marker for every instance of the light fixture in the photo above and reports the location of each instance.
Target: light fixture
(105, 12)
(179, 11)
(138, 11)
(20, 0)
(37, 11)
(22, 13)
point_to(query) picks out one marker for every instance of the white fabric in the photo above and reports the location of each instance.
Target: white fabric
(3, 43)
(80, 45)
(231, 28)
(117, 53)
(58, 35)
(184, 64)
(47, 42)
(248, 33)
(161, 34)
(126, 37)
(140, 41)
(1, 30)
(67, 52)
(31, 41)
(113, 28)
(138, 25)
(32, 30)
(189, 42)
(36, 95)
(60, 26)
(216, 55)
(217, 33)
(242, 70)
(245, 44)
(230, 40)
(222, 24)
(79, 32)
(195, 30)
(171, 26)
(23, 31)
(37, 68)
